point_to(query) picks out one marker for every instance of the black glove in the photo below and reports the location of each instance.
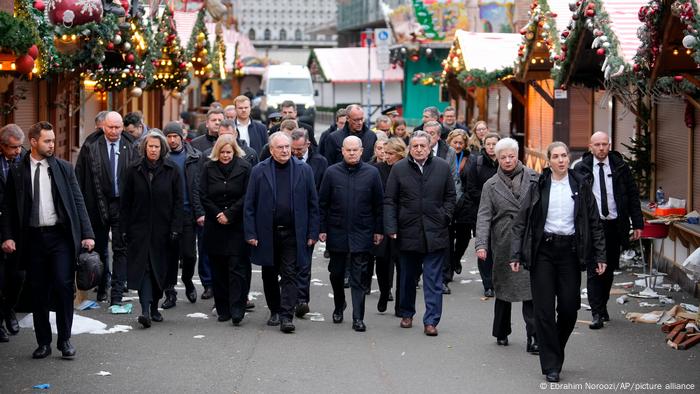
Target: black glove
(174, 236)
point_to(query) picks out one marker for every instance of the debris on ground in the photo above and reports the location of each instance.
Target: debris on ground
(121, 309)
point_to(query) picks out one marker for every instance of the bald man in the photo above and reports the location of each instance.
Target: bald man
(617, 196)
(101, 166)
(350, 204)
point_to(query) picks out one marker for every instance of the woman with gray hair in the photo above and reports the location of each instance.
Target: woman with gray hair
(151, 218)
(501, 199)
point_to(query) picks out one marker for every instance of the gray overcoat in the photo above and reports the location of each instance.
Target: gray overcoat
(497, 210)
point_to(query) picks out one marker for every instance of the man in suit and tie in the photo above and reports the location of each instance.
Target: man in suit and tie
(102, 163)
(11, 274)
(46, 225)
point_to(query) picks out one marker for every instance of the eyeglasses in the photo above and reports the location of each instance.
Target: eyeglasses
(357, 120)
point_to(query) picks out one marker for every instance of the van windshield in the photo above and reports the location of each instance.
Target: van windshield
(289, 86)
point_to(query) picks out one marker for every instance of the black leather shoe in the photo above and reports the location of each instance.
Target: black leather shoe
(4, 336)
(605, 316)
(11, 323)
(552, 377)
(381, 304)
(338, 314)
(458, 268)
(301, 310)
(156, 316)
(170, 301)
(488, 293)
(532, 346)
(597, 323)
(502, 341)
(286, 326)
(208, 293)
(446, 289)
(249, 305)
(67, 350)
(223, 318)
(42, 351)
(237, 320)
(191, 294)
(274, 319)
(101, 296)
(359, 326)
(145, 321)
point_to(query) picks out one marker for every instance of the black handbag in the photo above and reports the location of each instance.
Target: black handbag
(89, 270)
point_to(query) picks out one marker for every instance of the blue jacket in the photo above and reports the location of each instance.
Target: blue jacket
(258, 135)
(351, 201)
(259, 210)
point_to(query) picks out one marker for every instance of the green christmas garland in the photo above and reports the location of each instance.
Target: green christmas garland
(16, 34)
(541, 24)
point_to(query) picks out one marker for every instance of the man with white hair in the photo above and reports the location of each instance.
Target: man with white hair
(350, 204)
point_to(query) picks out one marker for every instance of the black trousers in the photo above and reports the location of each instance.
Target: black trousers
(229, 277)
(118, 274)
(501, 318)
(460, 234)
(149, 292)
(11, 283)
(281, 295)
(599, 285)
(184, 249)
(486, 270)
(556, 280)
(358, 270)
(52, 281)
(304, 278)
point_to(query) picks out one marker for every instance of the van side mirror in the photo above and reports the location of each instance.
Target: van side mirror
(316, 93)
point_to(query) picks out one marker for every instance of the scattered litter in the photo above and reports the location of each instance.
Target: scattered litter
(676, 287)
(473, 272)
(651, 317)
(645, 304)
(198, 315)
(618, 292)
(465, 281)
(584, 293)
(403, 354)
(484, 298)
(87, 305)
(257, 271)
(479, 280)
(617, 273)
(317, 318)
(585, 306)
(621, 299)
(253, 295)
(198, 336)
(130, 298)
(624, 284)
(117, 328)
(104, 373)
(690, 307)
(121, 309)
(81, 325)
(43, 386)
(666, 300)
(374, 291)
(315, 280)
(330, 295)
(317, 284)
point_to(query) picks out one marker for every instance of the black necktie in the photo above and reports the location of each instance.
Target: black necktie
(36, 199)
(113, 168)
(603, 190)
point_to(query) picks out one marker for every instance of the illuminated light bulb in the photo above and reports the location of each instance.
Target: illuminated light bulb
(542, 60)
(64, 37)
(539, 44)
(170, 62)
(675, 52)
(534, 61)
(73, 37)
(688, 51)
(13, 66)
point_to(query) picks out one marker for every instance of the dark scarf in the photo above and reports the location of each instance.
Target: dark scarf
(512, 179)
(226, 168)
(152, 167)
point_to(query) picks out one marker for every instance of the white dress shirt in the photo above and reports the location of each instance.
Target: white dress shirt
(435, 150)
(47, 211)
(305, 158)
(612, 207)
(243, 133)
(560, 213)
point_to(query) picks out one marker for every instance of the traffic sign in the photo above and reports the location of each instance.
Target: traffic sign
(382, 41)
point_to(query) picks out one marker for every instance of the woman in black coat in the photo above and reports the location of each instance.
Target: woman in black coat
(556, 235)
(222, 187)
(482, 167)
(151, 220)
(386, 255)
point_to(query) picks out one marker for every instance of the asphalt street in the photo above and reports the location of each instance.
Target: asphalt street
(320, 356)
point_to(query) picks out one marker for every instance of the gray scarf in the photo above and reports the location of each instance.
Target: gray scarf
(512, 179)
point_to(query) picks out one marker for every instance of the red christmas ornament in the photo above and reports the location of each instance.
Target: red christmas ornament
(574, 17)
(590, 5)
(24, 64)
(554, 15)
(565, 33)
(171, 37)
(523, 31)
(636, 68)
(110, 46)
(39, 5)
(600, 51)
(556, 57)
(33, 51)
(183, 65)
(678, 78)
(590, 12)
(75, 12)
(130, 58)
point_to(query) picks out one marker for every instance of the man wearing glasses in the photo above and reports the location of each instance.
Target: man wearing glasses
(354, 126)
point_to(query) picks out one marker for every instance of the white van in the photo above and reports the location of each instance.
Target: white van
(286, 81)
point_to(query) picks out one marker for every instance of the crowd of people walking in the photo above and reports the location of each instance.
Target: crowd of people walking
(404, 204)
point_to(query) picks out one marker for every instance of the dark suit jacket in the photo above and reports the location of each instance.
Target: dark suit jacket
(259, 204)
(318, 164)
(67, 198)
(258, 135)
